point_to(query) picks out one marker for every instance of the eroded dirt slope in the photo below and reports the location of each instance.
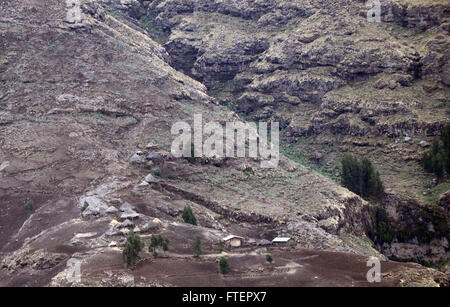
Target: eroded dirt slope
(77, 102)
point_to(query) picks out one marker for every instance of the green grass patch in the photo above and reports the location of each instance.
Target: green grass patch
(157, 34)
(432, 194)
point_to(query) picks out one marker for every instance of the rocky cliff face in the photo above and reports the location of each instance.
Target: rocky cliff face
(316, 67)
(334, 81)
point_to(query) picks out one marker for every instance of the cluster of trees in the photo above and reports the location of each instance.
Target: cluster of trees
(387, 229)
(156, 242)
(134, 245)
(361, 177)
(437, 160)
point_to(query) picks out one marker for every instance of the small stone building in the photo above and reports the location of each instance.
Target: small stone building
(233, 241)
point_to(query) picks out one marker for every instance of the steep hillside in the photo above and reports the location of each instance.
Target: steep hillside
(336, 82)
(82, 104)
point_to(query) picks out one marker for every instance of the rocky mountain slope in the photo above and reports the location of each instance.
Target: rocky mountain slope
(336, 82)
(82, 104)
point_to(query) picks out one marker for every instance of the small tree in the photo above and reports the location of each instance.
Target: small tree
(157, 172)
(132, 248)
(188, 216)
(85, 205)
(269, 258)
(29, 206)
(223, 265)
(165, 244)
(154, 242)
(197, 247)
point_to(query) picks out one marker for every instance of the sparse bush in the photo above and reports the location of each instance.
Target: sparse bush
(29, 206)
(188, 216)
(197, 247)
(172, 177)
(223, 265)
(85, 205)
(155, 32)
(157, 172)
(155, 253)
(132, 248)
(269, 258)
(361, 177)
(220, 248)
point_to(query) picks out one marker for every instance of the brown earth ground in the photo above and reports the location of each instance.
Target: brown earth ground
(78, 100)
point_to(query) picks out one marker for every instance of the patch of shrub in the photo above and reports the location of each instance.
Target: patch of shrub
(188, 216)
(85, 205)
(223, 265)
(157, 172)
(197, 246)
(269, 258)
(386, 230)
(157, 34)
(29, 206)
(432, 215)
